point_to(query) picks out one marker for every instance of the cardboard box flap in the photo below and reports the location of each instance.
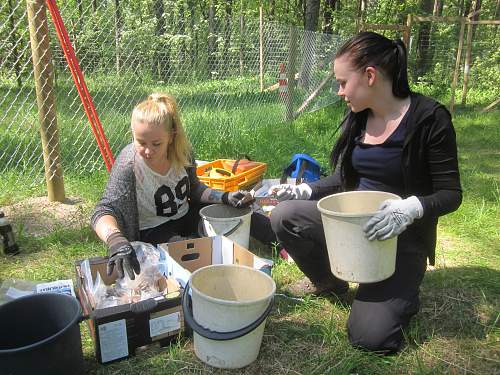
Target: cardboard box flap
(191, 254)
(242, 256)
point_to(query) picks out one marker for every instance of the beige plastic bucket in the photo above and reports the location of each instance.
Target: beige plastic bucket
(225, 300)
(224, 220)
(352, 256)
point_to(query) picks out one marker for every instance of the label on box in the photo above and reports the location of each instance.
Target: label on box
(164, 324)
(113, 340)
(58, 286)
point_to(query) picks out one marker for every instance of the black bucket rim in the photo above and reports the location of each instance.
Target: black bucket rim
(75, 319)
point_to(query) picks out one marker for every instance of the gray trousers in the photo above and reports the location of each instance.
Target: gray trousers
(380, 310)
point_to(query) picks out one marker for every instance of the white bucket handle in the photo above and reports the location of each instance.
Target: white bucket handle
(214, 335)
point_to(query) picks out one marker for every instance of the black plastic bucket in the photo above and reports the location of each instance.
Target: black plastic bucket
(40, 334)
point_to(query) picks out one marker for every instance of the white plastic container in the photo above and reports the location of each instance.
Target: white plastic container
(227, 298)
(352, 256)
(231, 222)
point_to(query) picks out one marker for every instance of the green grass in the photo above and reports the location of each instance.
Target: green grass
(457, 329)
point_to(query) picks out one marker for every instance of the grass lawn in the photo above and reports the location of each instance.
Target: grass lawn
(456, 331)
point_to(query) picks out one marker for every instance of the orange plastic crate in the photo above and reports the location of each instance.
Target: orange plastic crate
(218, 174)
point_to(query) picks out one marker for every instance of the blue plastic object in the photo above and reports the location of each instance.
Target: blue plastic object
(303, 167)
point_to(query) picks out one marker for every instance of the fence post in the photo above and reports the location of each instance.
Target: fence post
(292, 57)
(44, 78)
(407, 33)
(261, 48)
(457, 64)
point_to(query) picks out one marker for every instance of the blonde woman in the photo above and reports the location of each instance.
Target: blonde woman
(153, 193)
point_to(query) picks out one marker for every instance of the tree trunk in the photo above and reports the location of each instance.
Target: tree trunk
(181, 27)
(194, 34)
(13, 38)
(212, 40)
(242, 39)
(226, 57)
(118, 32)
(271, 10)
(80, 14)
(361, 13)
(328, 16)
(423, 54)
(311, 26)
(161, 60)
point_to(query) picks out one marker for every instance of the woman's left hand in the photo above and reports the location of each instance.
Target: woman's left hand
(238, 199)
(392, 218)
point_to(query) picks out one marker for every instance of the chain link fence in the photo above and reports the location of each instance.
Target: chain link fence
(209, 61)
(211, 65)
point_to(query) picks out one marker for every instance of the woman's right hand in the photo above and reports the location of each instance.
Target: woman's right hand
(122, 256)
(284, 192)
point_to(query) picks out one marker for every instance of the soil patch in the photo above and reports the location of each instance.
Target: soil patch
(38, 217)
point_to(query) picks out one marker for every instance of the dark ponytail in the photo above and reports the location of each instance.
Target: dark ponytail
(372, 49)
(400, 86)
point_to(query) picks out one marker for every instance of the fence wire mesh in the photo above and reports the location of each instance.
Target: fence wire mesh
(209, 62)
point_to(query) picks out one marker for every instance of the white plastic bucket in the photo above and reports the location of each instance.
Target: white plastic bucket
(352, 256)
(230, 304)
(224, 220)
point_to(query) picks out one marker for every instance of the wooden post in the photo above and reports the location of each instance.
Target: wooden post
(468, 59)
(468, 52)
(407, 33)
(261, 49)
(44, 78)
(292, 57)
(457, 64)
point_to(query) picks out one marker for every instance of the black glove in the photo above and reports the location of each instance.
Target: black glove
(238, 199)
(122, 255)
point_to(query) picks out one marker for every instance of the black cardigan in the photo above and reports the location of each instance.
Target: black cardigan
(430, 170)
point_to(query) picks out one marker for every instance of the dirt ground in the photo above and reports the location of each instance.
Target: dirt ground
(38, 217)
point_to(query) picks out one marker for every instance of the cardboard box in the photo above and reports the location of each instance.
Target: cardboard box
(200, 252)
(119, 330)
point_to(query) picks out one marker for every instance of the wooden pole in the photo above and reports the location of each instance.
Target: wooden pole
(261, 49)
(468, 53)
(44, 78)
(314, 94)
(407, 32)
(468, 58)
(292, 56)
(457, 64)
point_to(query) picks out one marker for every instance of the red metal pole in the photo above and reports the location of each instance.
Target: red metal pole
(81, 87)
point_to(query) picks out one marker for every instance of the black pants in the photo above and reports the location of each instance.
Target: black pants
(380, 310)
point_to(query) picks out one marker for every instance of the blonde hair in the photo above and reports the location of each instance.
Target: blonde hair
(161, 110)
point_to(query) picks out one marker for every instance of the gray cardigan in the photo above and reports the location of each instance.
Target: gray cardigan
(119, 199)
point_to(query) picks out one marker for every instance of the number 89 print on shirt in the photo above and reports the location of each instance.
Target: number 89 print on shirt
(160, 198)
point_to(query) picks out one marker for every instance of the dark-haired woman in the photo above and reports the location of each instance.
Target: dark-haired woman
(392, 140)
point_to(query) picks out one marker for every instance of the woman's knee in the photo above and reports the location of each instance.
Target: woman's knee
(281, 214)
(374, 330)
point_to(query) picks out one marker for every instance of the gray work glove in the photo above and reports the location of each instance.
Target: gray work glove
(122, 256)
(285, 192)
(392, 218)
(238, 199)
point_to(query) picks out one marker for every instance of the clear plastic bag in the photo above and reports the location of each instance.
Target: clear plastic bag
(125, 290)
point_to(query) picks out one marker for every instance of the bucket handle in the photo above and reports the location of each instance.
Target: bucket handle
(233, 229)
(214, 335)
(229, 232)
